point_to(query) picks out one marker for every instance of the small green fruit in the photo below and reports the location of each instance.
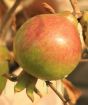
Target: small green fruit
(3, 81)
(4, 57)
(4, 53)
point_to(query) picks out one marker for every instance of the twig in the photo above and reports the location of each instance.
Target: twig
(48, 8)
(48, 83)
(11, 77)
(84, 60)
(3, 6)
(76, 9)
(71, 92)
(38, 92)
(8, 18)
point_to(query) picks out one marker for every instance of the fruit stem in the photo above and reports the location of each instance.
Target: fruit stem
(38, 92)
(66, 102)
(76, 9)
(8, 19)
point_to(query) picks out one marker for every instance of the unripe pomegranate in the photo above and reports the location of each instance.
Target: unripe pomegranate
(48, 46)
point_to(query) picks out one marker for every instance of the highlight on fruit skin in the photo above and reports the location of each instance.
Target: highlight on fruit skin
(48, 46)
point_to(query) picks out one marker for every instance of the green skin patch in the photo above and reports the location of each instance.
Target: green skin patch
(44, 69)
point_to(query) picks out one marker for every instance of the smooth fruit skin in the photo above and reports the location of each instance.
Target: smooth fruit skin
(70, 17)
(48, 46)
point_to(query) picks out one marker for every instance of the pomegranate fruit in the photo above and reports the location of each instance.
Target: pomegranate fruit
(48, 46)
(70, 17)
